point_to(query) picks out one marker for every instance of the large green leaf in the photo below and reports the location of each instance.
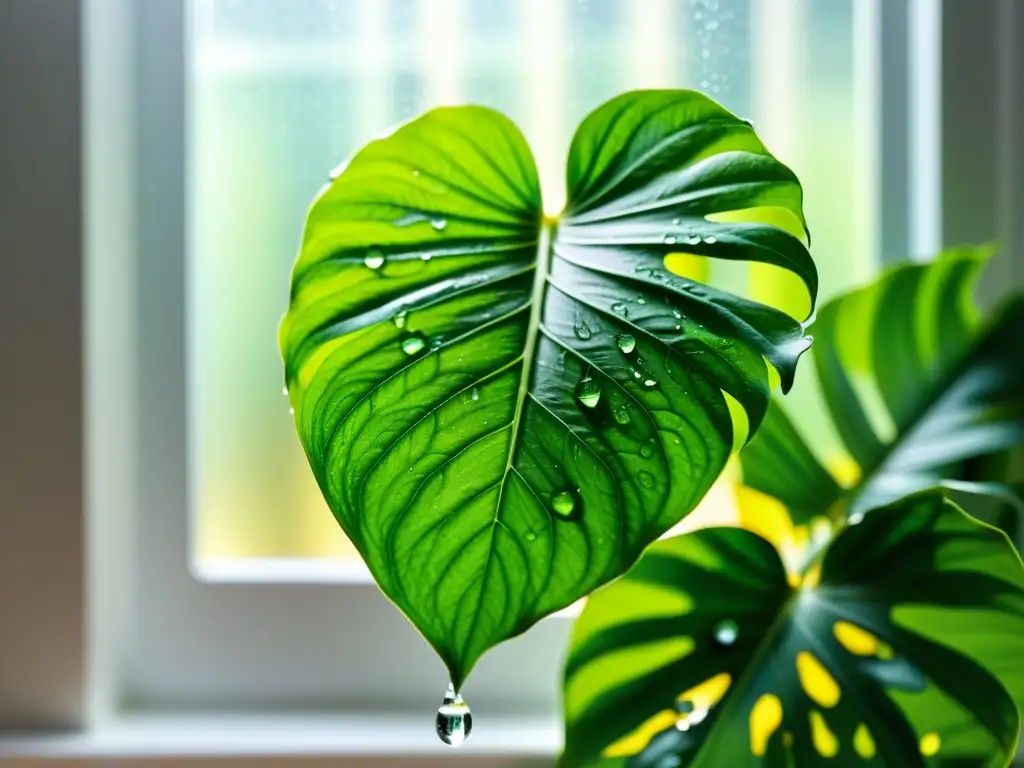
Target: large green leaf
(903, 648)
(916, 387)
(504, 409)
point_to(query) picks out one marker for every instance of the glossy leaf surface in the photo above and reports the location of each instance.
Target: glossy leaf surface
(502, 409)
(902, 649)
(915, 384)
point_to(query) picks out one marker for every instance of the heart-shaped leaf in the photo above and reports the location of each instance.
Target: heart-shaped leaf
(915, 385)
(903, 648)
(502, 409)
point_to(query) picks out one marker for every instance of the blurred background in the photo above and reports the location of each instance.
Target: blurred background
(279, 93)
(167, 565)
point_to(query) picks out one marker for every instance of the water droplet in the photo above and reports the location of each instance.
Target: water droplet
(454, 720)
(620, 307)
(374, 259)
(626, 342)
(427, 256)
(689, 715)
(530, 536)
(855, 518)
(677, 314)
(693, 239)
(646, 479)
(415, 171)
(621, 414)
(475, 394)
(588, 392)
(647, 449)
(582, 330)
(400, 318)
(677, 222)
(636, 373)
(439, 223)
(564, 504)
(710, 239)
(670, 240)
(284, 391)
(413, 343)
(641, 300)
(726, 632)
(650, 383)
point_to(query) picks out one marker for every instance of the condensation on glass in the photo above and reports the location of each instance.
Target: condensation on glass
(281, 91)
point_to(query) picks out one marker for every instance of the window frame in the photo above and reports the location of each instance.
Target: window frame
(114, 663)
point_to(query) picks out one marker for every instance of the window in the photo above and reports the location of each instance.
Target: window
(281, 92)
(209, 125)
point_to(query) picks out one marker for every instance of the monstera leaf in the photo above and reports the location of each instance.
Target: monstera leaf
(916, 387)
(503, 409)
(902, 647)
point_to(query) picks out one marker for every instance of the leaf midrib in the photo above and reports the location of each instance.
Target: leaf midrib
(545, 239)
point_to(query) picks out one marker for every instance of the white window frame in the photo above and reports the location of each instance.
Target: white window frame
(129, 652)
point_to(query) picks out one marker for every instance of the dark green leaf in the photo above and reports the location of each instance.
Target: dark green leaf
(503, 409)
(903, 650)
(915, 387)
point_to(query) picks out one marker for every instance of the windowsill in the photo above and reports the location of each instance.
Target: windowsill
(301, 739)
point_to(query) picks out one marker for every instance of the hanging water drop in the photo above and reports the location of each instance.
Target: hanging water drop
(626, 342)
(291, 411)
(620, 307)
(284, 391)
(475, 394)
(374, 259)
(564, 504)
(726, 632)
(439, 223)
(454, 720)
(413, 343)
(582, 330)
(670, 239)
(588, 392)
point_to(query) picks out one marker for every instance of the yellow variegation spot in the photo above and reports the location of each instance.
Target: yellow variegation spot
(816, 681)
(638, 740)
(825, 742)
(688, 265)
(930, 744)
(864, 742)
(701, 699)
(859, 641)
(765, 719)
(707, 694)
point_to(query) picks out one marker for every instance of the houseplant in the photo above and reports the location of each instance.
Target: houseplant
(856, 616)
